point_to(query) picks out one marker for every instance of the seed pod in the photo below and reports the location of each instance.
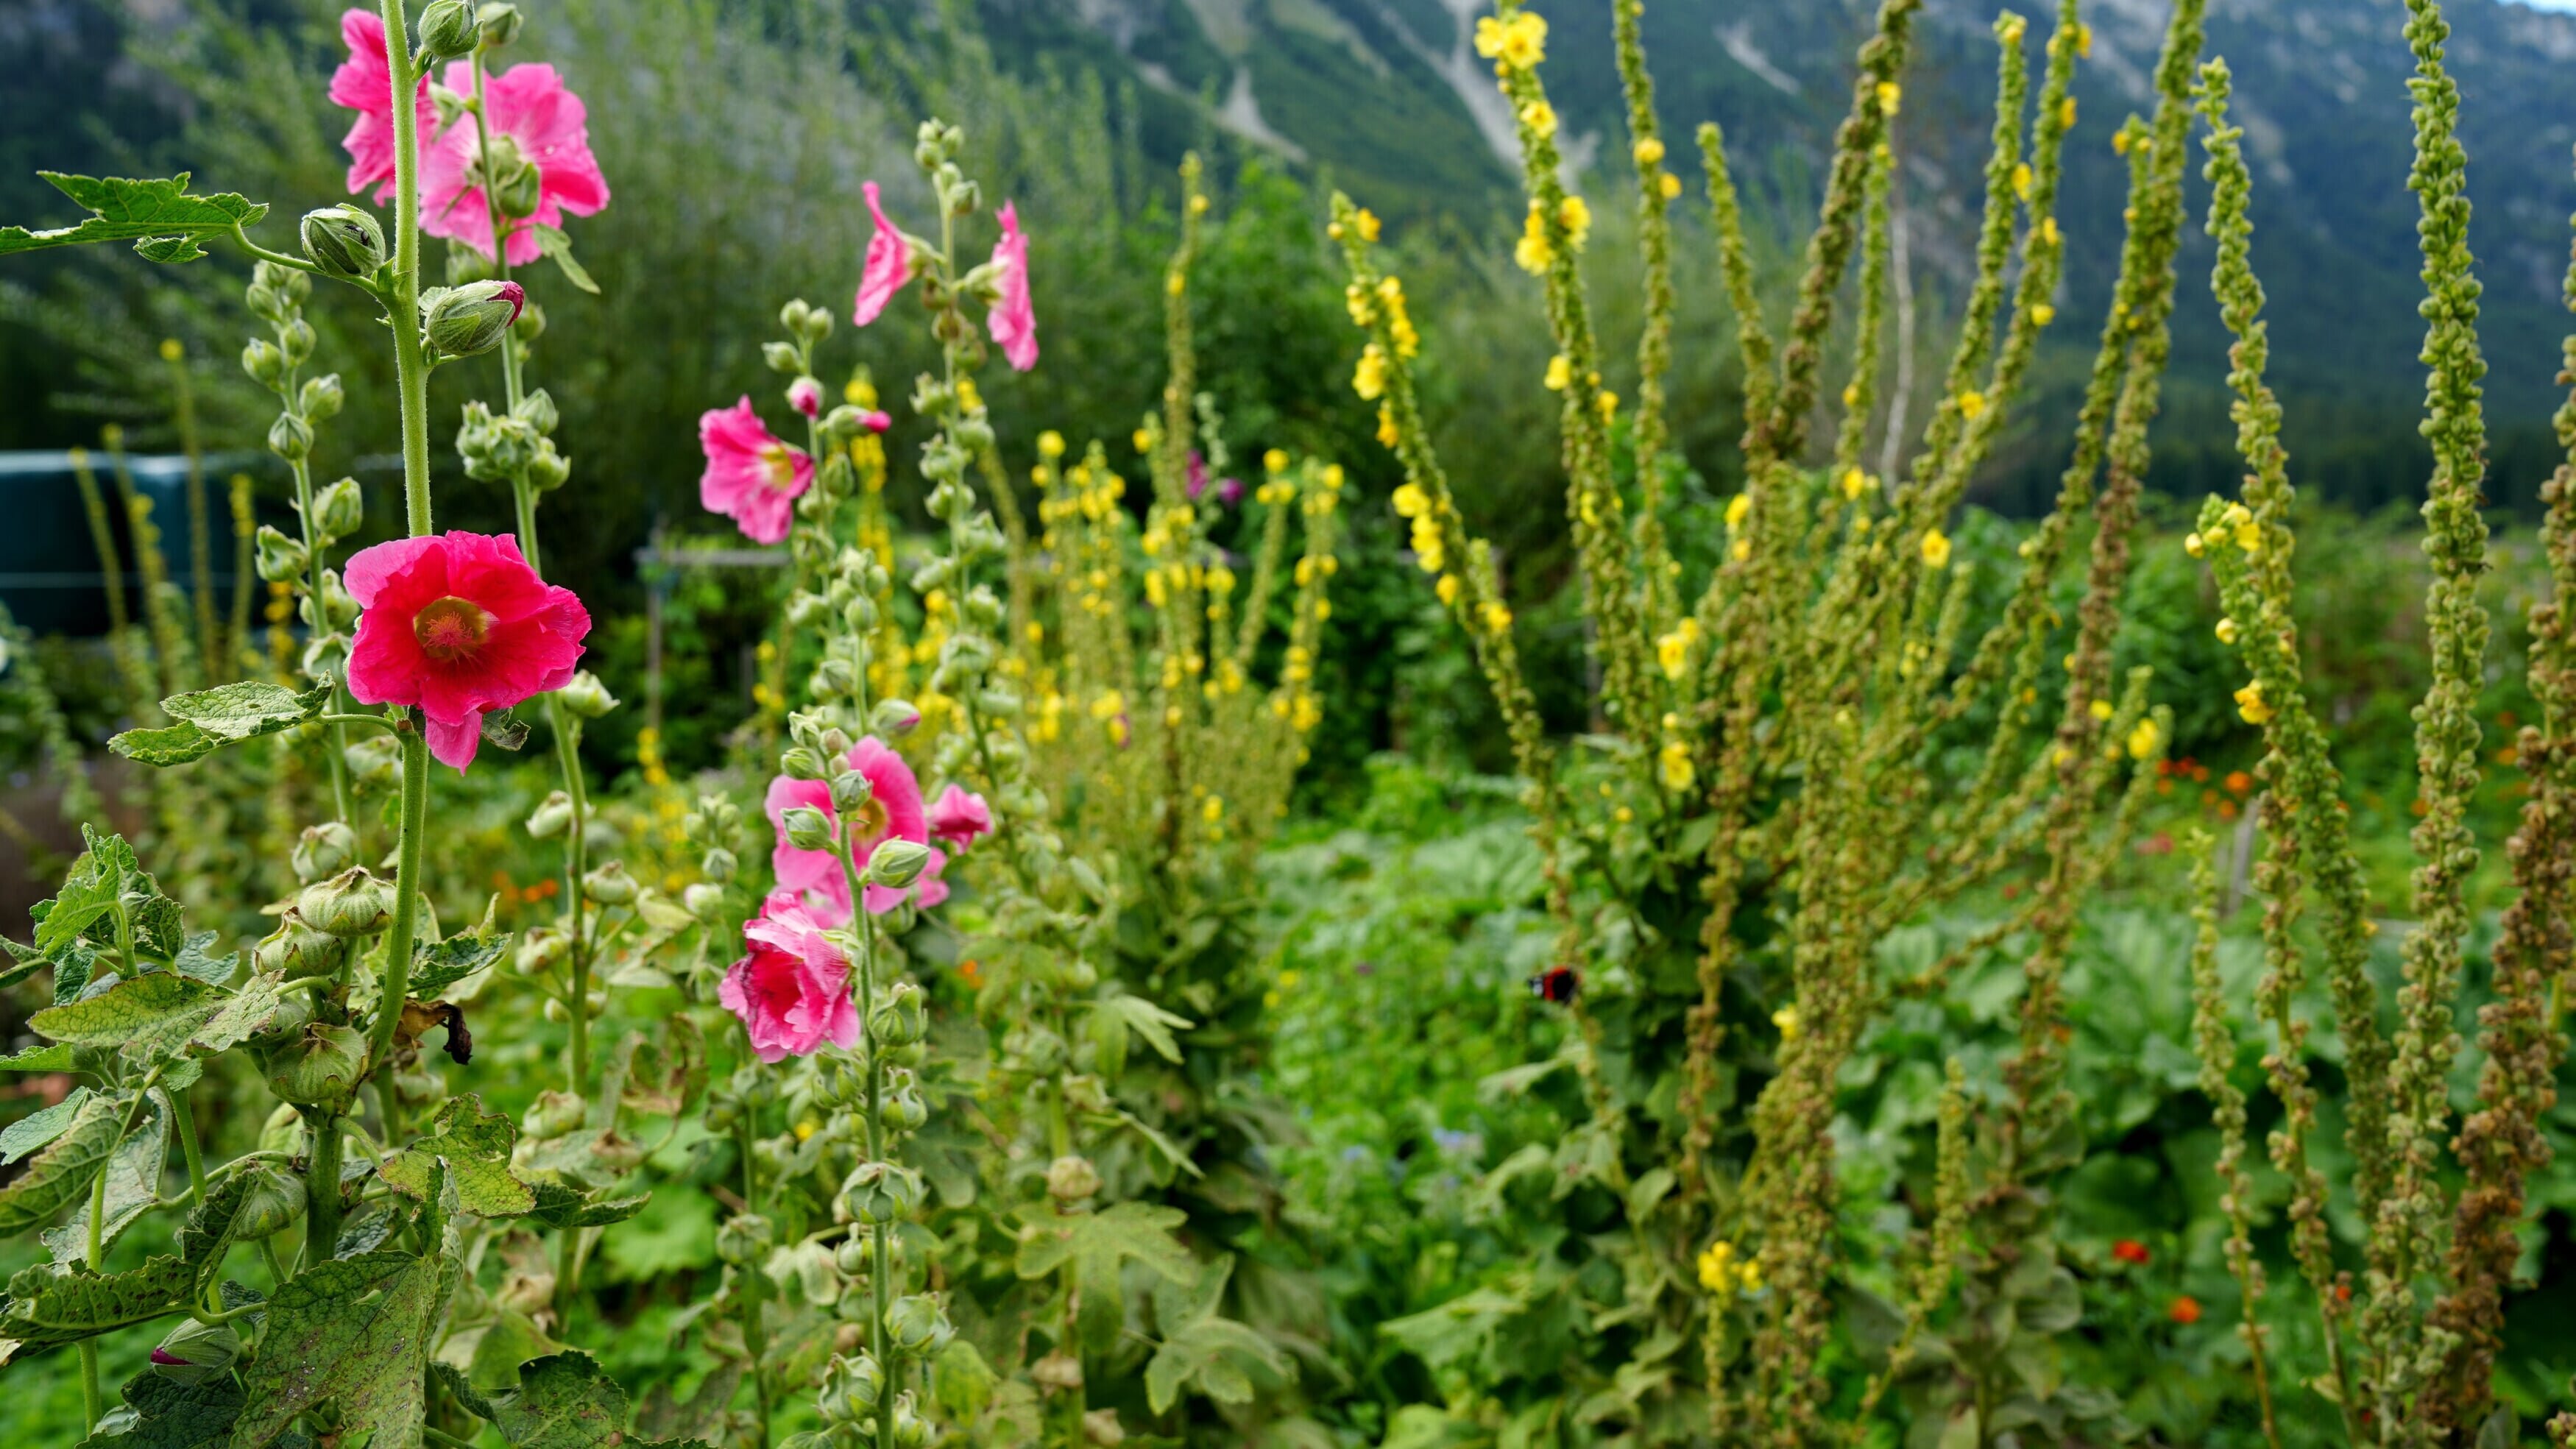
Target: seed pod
(540, 950)
(553, 1114)
(344, 241)
(1071, 1179)
(271, 1199)
(880, 1192)
(743, 1239)
(609, 885)
(585, 696)
(851, 1389)
(900, 1019)
(551, 816)
(915, 1325)
(279, 559)
(318, 1067)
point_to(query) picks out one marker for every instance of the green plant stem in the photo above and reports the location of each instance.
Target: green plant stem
(755, 1335)
(91, 1399)
(322, 1189)
(399, 941)
(436, 1436)
(313, 562)
(184, 1122)
(880, 1235)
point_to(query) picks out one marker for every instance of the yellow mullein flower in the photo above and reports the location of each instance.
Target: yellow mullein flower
(1387, 432)
(1972, 405)
(1742, 548)
(1050, 444)
(1672, 186)
(1534, 252)
(1410, 501)
(2192, 544)
(2066, 113)
(1786, 1019)
(2084, 40)
(2014, 27)
(1936, 549)
(1560, 372)
(1674, 760)
(1856, 483)
(2144, 737)
(1497, 618)
(1649, 151)
(1540, 117)
(1369, 378)
(1447, 588)
(2226, 631)
(1737, 508)
(2251, 705)
(2041, 314)
(1213, 810)
(2100, 709)
(1144, 440)
(2048, 231)
(1355, 299)
(1717, 1268)
(1608, 402)
(1575, 215)
(1851, 394)
(1672, 651)
(1275, 461)
(1890, 95)
(2021, 179)
(2120, 143)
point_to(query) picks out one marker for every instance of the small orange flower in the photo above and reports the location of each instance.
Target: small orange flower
(550, 888)
(2226, 809)
(2133, 1253)
(2238, 782)
(2184, 1310)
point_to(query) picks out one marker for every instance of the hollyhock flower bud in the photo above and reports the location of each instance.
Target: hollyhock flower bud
(851, 791)
(915, 1324)
(265, 364)
(374, 761)
(901, 1019)
(447, 30)
(893, 811)
(897, 863)
(344, 242)
(585, 696)
(290, 437)
(316, 1067)
(806, 396)
(897, 717)
(458, 624)
(807, 828)
(851, 1388)
(791, 988)
(464, 321)
(1071, 1179)
(881, 1192)
(541, 950)
(324, 850)
(498, 24)
(960, 816)
(321, 398)
(781, 356)
(548, 470)
(609, 885)
(718, 865)
(295, 949)
(703, 900)
(340, 509)
(195, 1352)
(904, 1110)
(271, 1200)
(751, 476)
(352, 903)
(520, 189)
(279, 559)
(538, 410)
(551, 816)
(802, 762)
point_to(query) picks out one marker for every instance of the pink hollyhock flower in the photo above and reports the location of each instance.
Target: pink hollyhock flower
(751, 476)
(1013, 320)
(1197, 476)
(959, 816)
(893, 812)
(806, 396)
(874, 421)
(457, 623)
(1229, 491)
(365, 83)
(792, 988)
(531, 117)
(887, 267)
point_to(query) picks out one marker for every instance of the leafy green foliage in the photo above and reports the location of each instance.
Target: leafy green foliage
(210, 719)
(563, 1401)
(352, 1332)
(172, 1415)
(146, 1017)
(64, 1170)
(49, 1306)
(1096, 1246)
(164, 222)
(474, 1147)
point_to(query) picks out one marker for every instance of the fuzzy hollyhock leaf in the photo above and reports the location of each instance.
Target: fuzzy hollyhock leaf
(563, 1401)
(171, 1415)
(559, 1206)
(65, 1169)
(210, 719)
(438, 965)
(353, 1331)
(475, 1147)
(163, 221)
(133, 1186)
(38, 1128)
(1097, 1244)
(49, 1306)
(144, 1016)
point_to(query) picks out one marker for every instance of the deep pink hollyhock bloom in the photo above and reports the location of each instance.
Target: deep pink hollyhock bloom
(806, 396)
(887, 267)
(458, 624)
(959, 816)
(1198, 476)
(893, 812)
(365, 84)
(875, 422)
(929, 892)
(531, 115)
(792, 988)
(1013, 320)
(1229, 491)
(751, 476)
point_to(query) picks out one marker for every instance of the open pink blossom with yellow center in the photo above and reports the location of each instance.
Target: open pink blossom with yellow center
(959, 816)
(459, 625)
(893, 812)
(365, 83)
(792, 986)
(751, 476)
(886, 268)
(532, 120)
(1014, 319)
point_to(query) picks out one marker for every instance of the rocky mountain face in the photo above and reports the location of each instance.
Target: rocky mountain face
(1389, 99)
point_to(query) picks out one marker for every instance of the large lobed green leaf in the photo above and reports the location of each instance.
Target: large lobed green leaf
(64, 1170)
(563, 1401)
(354, 1331)
(210, 719)
(146, 1017)
(163, 221)
(133, 1185)
(172, 1415)
(475, 1147)
(1096, 1244)
(49, 1306)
